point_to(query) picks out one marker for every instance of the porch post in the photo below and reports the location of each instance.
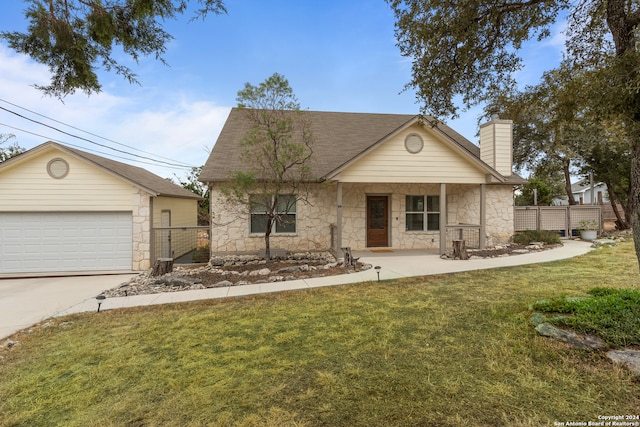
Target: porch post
(339, 220)
(483, 216)
(443, 218)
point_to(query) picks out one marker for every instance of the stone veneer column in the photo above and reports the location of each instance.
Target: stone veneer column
(483, 216)
(443, 218)
(141, 232)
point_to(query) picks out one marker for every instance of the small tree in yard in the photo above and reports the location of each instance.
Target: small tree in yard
(277, 152)
(11, 150)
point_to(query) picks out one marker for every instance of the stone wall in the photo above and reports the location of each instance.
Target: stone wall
(141, 213)
(230, 224)
(500, 214)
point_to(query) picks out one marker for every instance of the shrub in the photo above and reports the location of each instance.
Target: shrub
(528, 236)
(613, 314)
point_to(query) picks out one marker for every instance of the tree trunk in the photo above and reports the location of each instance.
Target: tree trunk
(267, 243)
(621, 223)
(635, 195)
(623, 26)
(162, 266)
(567, 181)
(460, 250)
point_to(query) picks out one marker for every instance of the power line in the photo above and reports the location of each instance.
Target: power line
(91, 150)
(90, 141)
(87, 132)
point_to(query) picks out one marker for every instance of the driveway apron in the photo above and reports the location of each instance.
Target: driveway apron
(26, 301)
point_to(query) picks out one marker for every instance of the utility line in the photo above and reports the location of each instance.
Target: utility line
(91, 150)
(87, 132)
(90, 141)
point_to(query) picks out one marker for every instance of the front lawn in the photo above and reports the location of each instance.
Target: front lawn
(449, 350)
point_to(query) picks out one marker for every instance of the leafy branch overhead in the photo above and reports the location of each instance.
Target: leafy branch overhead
(466, 48)
(76, 37)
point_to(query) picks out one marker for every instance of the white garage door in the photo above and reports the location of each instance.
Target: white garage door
(55, 242)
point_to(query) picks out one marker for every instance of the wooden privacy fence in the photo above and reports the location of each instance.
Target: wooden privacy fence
(564, 220)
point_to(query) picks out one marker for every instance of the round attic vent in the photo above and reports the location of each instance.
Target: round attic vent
(413, 143)
(57, 168)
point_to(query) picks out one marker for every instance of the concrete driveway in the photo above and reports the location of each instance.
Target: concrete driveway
(24, 302)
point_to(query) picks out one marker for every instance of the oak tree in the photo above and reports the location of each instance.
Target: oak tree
(465, 50)
(76, 37)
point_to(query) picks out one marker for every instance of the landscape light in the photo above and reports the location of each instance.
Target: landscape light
(377, 267)
(100, 299)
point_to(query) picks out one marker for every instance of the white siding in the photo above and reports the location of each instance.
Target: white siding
(184, 212)
(496, 147)
(26, 186)
(438, 162)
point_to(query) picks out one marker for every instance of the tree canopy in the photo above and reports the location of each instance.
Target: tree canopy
(76, 37)
(10, 150)
(466, 48)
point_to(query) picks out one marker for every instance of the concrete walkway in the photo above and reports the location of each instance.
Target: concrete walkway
(393, 265)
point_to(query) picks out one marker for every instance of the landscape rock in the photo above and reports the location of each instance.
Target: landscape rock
(629, 358)
(501, 251)
(537, 319)
(175, 281)
(602, 243)
(261, 272)
(222, 284)
(10, 343)
(234, 270)
(293, 269)
(586, 342)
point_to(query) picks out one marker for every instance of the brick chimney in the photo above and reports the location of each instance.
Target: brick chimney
(496, 145)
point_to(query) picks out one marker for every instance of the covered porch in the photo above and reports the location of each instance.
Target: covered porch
(383, 217)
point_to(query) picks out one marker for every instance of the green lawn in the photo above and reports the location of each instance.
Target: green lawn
(449, 350)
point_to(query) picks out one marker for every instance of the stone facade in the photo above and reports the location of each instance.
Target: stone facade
(230, 224)
(500, 214)
(141, 209)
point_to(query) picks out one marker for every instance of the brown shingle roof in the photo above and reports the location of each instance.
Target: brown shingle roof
(148, 181)
(139, 176)
(338, 139)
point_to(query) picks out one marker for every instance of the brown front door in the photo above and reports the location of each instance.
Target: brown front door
(377, 221)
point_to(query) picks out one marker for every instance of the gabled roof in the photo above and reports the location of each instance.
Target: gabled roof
(339, 139)
(584, 185)
(136, 176)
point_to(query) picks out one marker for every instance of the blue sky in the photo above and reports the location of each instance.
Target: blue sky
(337, 55)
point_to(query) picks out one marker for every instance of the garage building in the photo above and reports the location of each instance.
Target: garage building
(66, 210)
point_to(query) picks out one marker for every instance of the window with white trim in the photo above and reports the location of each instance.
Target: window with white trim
(421, 216)
(285, 209)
